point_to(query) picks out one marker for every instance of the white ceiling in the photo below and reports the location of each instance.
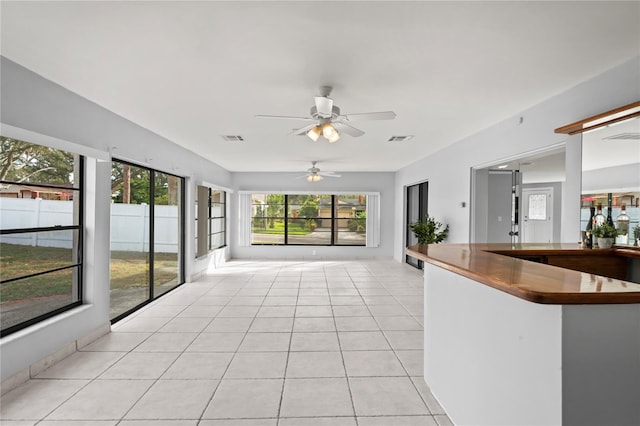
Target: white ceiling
(193, 71)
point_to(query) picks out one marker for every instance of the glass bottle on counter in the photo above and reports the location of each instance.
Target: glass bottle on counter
(609, 218)
(588, 242)
(622, 224)
(598, 220)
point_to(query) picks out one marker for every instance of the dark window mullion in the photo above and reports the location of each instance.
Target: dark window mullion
(42, 229)
(181, 233)
(41, 185)
(80, 254)
(333, 223)
(152, 203)
(286, 219)
(37, 274)
(210, 216)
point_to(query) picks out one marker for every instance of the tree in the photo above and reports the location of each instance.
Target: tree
(26, 162)
(275, 207)
(259, 220)
(309, 211)
(129, 184)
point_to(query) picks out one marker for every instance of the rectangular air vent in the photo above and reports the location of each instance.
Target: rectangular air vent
(627, 136)
(400, 138)
(233, 138)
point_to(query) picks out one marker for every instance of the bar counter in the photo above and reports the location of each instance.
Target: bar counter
(538, 272)
(512, 338)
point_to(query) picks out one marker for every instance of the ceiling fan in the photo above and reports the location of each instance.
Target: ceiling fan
(315, 175)
(328, 120)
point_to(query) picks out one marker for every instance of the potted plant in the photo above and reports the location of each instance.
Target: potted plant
(605, 234)
(428, 231)
(636, 235)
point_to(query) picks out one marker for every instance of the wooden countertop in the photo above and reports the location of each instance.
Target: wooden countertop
(535, 282)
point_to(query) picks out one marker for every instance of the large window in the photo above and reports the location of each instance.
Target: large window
(147, 223)
(41, 206)
(308, 219)
(217, 226)
(210, 219)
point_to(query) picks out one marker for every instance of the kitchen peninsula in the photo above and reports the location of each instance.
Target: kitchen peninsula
(511, 339)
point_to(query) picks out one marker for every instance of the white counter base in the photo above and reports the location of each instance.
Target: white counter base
(494, 359)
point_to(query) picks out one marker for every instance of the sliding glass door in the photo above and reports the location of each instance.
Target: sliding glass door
(417, 203)
(147, 228)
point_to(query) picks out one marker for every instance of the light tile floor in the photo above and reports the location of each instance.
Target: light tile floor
(274, 343)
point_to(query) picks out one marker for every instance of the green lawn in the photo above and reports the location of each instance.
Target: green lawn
(128, 270)
(278, 228)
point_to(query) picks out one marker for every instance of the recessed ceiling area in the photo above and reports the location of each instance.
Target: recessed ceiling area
(194, 72)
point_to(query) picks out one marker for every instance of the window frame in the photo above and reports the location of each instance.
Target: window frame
(334, 219)
(210, 217)
(79, 252)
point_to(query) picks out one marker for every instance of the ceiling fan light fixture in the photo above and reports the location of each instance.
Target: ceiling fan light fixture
(314, 133)
(314, 177)
(329, 132)
(334, 137)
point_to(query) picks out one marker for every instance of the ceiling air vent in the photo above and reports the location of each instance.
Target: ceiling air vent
(627, 136)
(233, 138)
(400, 138)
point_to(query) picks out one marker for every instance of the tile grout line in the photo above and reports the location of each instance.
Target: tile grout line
(346, 374)
(286, 365)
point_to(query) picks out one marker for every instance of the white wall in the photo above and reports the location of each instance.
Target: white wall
(351, 182)
(42, 112)
(448, 171)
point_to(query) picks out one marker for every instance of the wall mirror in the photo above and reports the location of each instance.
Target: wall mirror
(518, 200)
(611, 175)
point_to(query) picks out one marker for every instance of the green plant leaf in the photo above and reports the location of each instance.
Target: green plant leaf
(428, 231)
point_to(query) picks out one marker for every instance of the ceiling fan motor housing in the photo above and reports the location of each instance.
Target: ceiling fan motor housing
(335, 113)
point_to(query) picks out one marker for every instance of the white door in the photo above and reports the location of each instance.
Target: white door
(537, 215)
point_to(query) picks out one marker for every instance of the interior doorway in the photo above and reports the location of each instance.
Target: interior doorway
(504, 192)
(417, 197)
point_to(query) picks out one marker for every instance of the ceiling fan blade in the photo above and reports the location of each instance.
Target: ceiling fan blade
(286, 117)
(382, 115)
(324, 106)
(348, 129)
(328, 174)
(303, 130)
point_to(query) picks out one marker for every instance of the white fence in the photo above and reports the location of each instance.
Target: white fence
(129, 224)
